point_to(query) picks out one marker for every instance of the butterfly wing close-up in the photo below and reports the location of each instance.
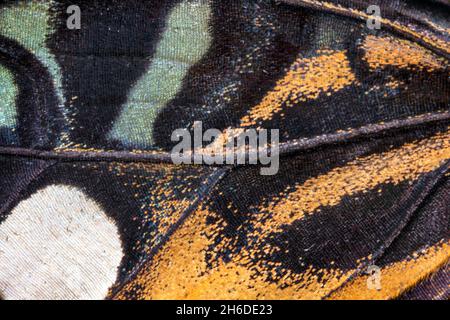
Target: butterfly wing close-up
(92, 205)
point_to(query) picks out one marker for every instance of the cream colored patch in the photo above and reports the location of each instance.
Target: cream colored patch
(58, 244)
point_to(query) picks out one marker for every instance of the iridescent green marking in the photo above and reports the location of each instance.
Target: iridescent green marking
(8, 94)
(184, 42)
(28, 24)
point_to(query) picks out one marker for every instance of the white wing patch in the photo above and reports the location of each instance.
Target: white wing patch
(58, 244)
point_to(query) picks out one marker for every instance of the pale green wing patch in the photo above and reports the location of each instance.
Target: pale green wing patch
(8, 95)
(28, 23)
(184, 42)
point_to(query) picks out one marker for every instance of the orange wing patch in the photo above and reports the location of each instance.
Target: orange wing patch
(394, 166)
(306, 79)
(388, 51)
(397, 277)
(181, 270)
